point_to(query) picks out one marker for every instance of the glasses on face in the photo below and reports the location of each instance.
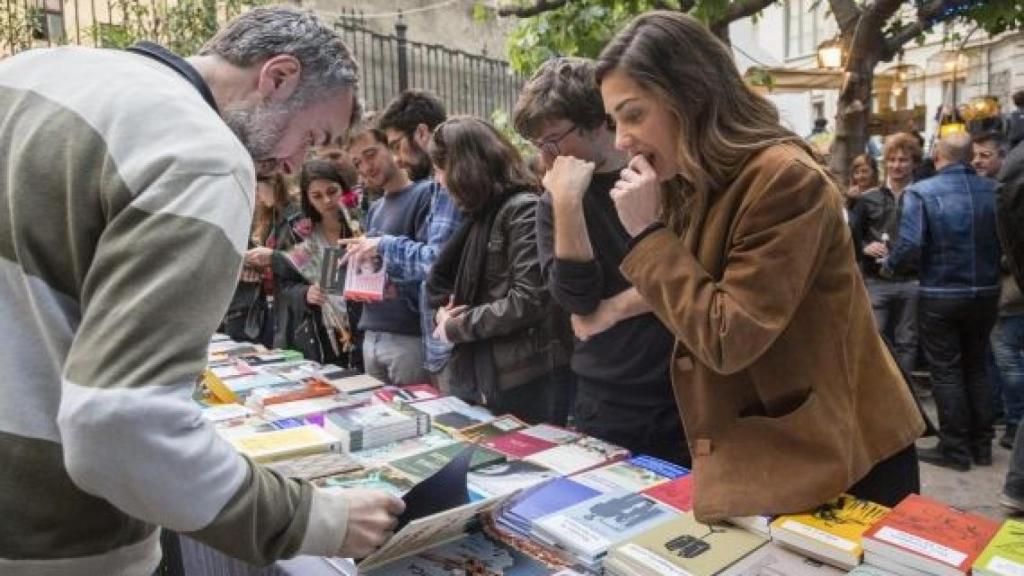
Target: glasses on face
(549, 146)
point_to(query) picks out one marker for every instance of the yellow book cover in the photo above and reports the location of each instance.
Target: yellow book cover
(835, 527)
(217, 388)
(685, 547)
(277, 444)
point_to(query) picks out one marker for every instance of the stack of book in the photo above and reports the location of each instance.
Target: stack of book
(372, 426)
(832, 532)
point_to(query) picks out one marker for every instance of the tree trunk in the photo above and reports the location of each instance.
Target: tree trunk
(854, 109)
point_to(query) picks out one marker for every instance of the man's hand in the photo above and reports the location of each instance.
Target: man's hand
(609, 312)
(637, 195)
(444, 314)
(258, 257)
(360, 249)
(250, 274)
(568, 179)
(372, 517)
(315, 296)
(876, 250)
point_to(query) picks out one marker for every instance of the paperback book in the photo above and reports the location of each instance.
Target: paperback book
(832, 532)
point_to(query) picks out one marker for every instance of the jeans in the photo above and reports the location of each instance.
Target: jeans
(1008, 348)
(895, 308)
(396, 359)
(1014, 485)
(955, 334)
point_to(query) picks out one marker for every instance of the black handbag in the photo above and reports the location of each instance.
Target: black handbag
(255, 315)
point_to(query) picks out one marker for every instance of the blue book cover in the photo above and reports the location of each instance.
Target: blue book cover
(659, 466)
(551, 497)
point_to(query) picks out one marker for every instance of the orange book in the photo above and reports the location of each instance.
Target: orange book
(307, 388)
(927, 535)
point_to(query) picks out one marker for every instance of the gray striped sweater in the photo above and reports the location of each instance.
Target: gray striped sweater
(125, 203)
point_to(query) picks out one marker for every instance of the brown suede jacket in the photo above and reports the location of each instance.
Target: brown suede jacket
(787, 392)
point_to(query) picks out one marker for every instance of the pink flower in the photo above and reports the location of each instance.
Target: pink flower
(350, 198)
(303, 227)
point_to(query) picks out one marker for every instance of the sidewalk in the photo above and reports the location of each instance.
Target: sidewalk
(976, 490)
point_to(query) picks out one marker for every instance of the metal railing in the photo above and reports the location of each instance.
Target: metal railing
(466, 83)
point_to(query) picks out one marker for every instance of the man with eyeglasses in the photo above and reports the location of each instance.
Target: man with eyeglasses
(622, 351)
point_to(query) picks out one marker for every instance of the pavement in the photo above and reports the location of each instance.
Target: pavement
(976, 490)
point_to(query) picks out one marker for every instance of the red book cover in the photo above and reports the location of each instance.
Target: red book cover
(410, 393)
(676, 493)
(933, 531)
(518, 445)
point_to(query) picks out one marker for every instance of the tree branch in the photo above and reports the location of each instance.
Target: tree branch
(927, 15)
(739, 10)
(847, 14)
(538, 7)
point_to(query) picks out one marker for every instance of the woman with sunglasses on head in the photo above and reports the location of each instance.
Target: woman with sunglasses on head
(486, 284)
(787, 393)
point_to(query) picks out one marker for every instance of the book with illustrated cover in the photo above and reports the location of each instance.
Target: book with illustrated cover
(232, 369)
(425, 464)
(633, 475)
(407, 393)
(452, 414)
(236, 390)
(377, 478)
(507, 477)
(350, 384)
(1004, 555)
(684, 547)
(315, 465)
(473, 553)
(304, 389)
(774, 560)
(585, 453)
(930, 536)
(832, 532)
(481, 433)
(363, 282)
(309, 407)
(590, 528)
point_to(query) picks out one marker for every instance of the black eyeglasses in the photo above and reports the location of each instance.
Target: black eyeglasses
(549, 147)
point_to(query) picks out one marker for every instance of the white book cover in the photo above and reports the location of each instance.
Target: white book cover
(222, 412)
(308, 407)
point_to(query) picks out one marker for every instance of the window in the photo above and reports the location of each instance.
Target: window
(49, 23)
(808, 23)
(819, 110)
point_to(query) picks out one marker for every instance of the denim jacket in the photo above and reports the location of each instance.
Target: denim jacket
(948, 225)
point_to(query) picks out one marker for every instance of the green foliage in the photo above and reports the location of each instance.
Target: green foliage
(579, 28)
(997, 16)
(500, 120)
(482, 13)
(20, 25)
(182, 26)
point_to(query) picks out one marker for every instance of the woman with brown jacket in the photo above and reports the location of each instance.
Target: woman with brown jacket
(788, 394)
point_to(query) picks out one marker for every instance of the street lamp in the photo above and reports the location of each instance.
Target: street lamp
(830, 54)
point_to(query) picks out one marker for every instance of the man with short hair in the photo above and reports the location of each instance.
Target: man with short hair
(407, 123)
(948, 226)
(141, 200)
(989, 152)
(877, 218)
(392, 346)
(622, 353)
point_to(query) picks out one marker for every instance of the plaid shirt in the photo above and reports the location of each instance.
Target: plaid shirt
(410, 259)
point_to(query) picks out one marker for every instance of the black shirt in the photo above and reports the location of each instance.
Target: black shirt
(635, 353)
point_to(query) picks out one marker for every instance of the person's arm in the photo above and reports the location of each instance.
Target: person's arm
(907, 249)
(524, 304)
(609, 312)
(131, 433)
(576, 286)
(780, 243)
(409, 259)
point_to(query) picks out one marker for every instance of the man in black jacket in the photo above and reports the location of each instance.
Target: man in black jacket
(622, 351)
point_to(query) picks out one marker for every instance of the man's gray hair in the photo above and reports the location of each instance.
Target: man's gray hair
(268, 31)
(955, 148)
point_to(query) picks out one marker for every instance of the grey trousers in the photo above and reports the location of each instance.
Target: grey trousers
(396, 359)
(895, 308)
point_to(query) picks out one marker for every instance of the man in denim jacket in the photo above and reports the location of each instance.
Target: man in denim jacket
(948, 227)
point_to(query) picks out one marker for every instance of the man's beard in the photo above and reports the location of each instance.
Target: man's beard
(421, 167)
(259, 128)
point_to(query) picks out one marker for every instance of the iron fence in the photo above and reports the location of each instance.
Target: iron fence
(466, 83)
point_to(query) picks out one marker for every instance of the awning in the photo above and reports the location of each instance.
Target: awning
(777, 80)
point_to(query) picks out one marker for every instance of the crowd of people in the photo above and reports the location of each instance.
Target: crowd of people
(674, 272)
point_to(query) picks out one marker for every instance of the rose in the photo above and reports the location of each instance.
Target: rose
(350, 198)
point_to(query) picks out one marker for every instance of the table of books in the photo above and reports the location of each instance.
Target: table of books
(491, 495)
